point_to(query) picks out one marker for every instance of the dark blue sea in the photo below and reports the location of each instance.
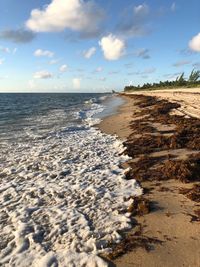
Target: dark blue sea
(27, 116)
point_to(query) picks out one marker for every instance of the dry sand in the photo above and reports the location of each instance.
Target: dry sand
(188, 98)
(170, 220)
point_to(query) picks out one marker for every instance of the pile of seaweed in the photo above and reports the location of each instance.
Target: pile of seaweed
(163, 168)
(145, 139)
(185, 135)
(192, 193)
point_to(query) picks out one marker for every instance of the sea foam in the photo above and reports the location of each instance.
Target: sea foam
(63, 198)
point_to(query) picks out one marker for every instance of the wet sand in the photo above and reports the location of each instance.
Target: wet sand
(118, 124)
(172, 219)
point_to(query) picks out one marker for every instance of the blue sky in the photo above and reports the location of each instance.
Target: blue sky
(95, 46)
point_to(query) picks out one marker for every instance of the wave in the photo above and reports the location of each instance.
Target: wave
(63, 198)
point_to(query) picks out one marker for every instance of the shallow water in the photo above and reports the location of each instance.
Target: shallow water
(62, 193)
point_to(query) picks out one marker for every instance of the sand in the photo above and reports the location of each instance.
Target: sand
(118, 124)
(170, 219)
(188, 98)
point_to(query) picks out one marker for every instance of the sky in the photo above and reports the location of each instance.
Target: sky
(95, 45)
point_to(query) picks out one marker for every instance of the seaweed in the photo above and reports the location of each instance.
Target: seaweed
(133, 241)
(140, 206)
(192, 193)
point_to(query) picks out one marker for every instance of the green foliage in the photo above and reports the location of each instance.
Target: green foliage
(193, 81)
(194, 76)
(180, 81)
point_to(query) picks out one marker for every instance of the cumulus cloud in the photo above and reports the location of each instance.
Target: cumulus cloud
(76, 15)
(181, 63)
(42, 75)
(102, 79)
(17, 36)
(76, 82)
(142, 53)
(194, 44)
(89, 53)
(112, 47)
(43, 53)
(63, 68)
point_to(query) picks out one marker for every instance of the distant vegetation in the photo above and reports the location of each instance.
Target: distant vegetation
(192, 81)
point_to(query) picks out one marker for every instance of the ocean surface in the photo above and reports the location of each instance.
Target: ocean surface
(63, 196)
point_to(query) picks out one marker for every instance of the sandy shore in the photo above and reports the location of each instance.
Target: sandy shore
(188, 98)
(119, 123)
(171, 220)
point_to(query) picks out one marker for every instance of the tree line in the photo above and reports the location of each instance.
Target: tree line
(192, 81)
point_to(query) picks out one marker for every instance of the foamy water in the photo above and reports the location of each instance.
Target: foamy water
(63, 198)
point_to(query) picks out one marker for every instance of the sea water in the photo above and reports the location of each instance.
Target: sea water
(63, 196)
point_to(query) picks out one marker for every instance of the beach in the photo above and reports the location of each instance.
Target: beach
(79, 187)
(161, 129)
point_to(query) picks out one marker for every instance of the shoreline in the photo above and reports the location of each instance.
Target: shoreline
(177, 247)
(118, 123)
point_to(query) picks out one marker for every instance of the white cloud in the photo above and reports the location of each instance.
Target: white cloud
(1, 61)
(143, 72)
(42, 75)
(113, 47)
(5, 49)
(89, 53)
(149, 70)
(43, 53)
(17, 36)
(194, 44)
(59, 15)
(181, 63)
(143, 53)
(173, 6)
(54, 61)
(14, 50)
(8, 50)
(76, 83)
(102, 79)
(141, 10)
(135, 21)
(99, 69)
(63, 68)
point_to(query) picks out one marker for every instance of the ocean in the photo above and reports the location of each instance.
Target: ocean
(62, 192)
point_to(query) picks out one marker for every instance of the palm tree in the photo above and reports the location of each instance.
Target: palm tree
(194, 76)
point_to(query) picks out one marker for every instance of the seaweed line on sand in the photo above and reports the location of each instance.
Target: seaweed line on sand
(155, 131)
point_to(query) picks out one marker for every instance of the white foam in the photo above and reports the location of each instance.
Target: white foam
(63, 199)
